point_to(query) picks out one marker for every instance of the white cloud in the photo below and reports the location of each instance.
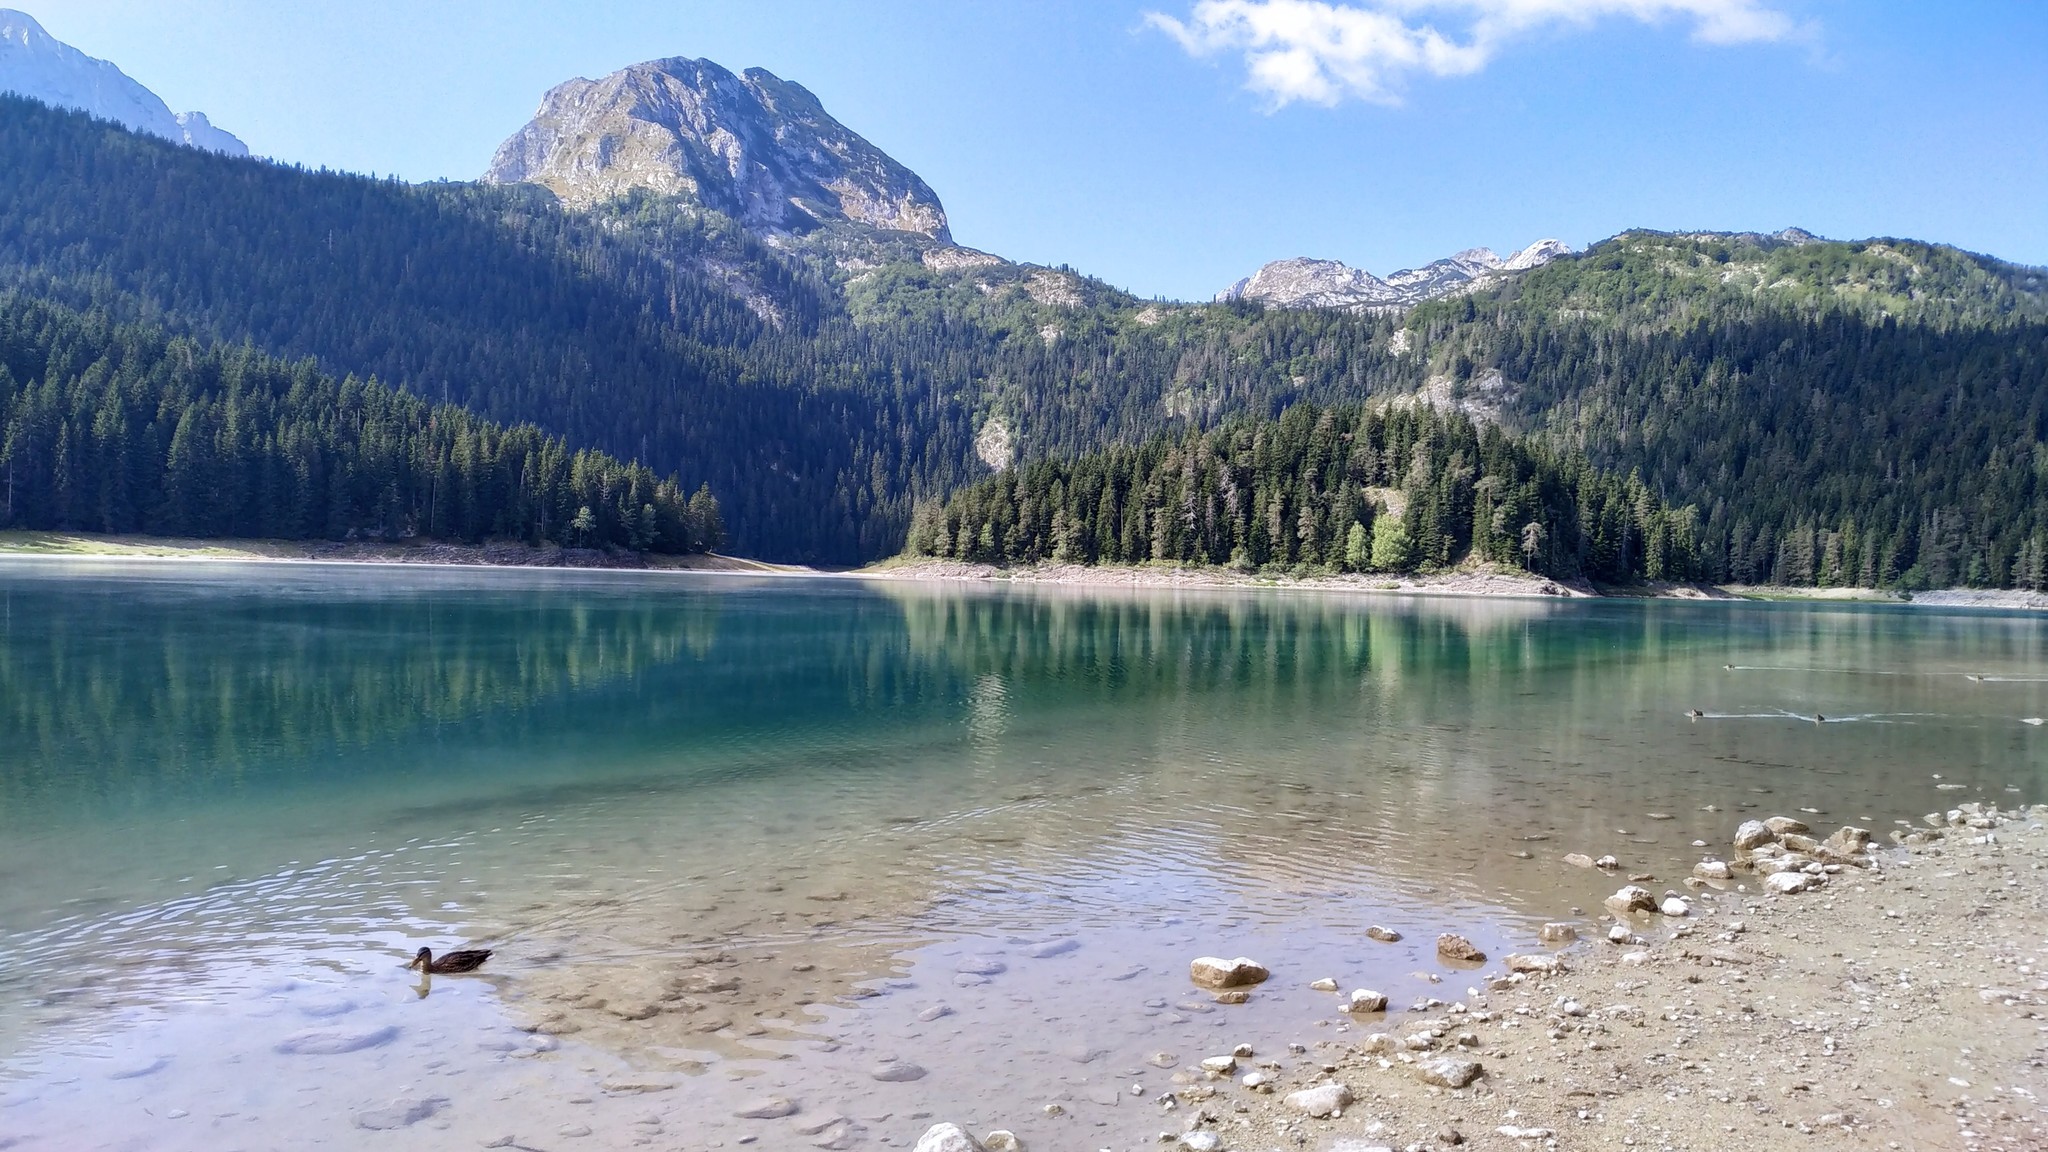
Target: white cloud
(1323, 52)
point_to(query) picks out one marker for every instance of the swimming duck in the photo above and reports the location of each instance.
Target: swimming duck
(465, 960)
(1819, 719)
(1695, 713)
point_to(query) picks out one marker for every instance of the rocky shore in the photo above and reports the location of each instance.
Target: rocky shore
(1795, 991)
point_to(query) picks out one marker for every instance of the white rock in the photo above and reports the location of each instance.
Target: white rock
(1322, 1100)
(1220, 1064)
(1212, 972)
(1713, 870)
(1324, 985)
(1673, 906)
(1449, 1071)
(1002, 1140)
(1201, 1140)
(1630, 900)
(1366, 1000)
(1753, 833)
(948, 1138)
(1786, 883)
(1542, 965)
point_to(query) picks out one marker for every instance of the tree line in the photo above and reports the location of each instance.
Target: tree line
(108, 427)
(1322, 489)
(1837, 412)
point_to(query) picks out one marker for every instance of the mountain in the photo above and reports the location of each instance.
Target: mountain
(33, 63)
(1304, 282)
(1870, 412)
(755, 147)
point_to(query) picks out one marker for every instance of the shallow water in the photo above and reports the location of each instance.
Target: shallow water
(735, 836)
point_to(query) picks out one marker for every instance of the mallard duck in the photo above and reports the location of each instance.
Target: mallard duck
(465, 960)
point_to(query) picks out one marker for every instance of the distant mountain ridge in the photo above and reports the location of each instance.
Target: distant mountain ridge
(755, 147)
(1305, 282)
(36, 64)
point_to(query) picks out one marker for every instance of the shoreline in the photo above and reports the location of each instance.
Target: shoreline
(1894, 1003)
(1481, 582)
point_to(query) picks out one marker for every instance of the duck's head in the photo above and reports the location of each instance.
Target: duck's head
(421, 959)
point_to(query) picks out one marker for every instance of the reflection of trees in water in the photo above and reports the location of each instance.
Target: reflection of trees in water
(121, 690)
(1144, 642)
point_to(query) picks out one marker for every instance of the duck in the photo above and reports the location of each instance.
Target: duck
(1695, 713)
(1819, 719)
(463, 960)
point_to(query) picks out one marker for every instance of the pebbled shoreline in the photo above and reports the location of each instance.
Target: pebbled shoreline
(1895, 1003)
(1895, 1006)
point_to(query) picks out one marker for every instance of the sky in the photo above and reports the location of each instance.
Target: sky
(1172, 146)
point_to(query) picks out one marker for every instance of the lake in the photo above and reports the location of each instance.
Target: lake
(890, 851)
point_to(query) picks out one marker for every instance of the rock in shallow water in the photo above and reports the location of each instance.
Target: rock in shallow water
(1631, 900)
(1383, 935)
(400, 1113)
(334, 1042)
(897, 1072)
(1212, 972)
(1366, 1000)
(1452, 946)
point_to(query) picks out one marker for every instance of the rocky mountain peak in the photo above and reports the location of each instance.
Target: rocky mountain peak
(754, 146)
(36, 64)
(1303, 282)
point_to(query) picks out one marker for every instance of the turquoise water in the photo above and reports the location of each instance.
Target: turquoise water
(234, 797)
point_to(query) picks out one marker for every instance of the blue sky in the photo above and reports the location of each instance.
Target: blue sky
(1171, 146)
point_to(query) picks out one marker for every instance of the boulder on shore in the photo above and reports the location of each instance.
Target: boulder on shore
(948, 1138)
(1448, 1072)
(1753, 834)
(1321, 1101)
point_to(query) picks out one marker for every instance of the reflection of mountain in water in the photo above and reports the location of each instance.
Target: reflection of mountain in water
(125, 687)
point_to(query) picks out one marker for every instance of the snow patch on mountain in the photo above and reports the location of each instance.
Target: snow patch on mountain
(1309, 283)
(35, 64)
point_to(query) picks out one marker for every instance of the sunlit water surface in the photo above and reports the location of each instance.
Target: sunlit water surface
(736, 837)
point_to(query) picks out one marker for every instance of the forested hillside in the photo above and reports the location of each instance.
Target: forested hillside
(1842, 414)
(1837, 413)
(487, 298)
(116, 428)
(1334, 489)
